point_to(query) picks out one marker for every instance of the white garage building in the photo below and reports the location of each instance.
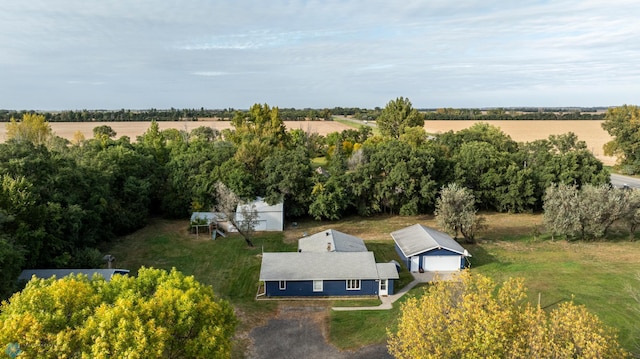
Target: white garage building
(425, 249)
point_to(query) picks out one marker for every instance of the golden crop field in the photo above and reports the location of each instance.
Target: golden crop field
(522, 131)
(526, 131)
(134, 129)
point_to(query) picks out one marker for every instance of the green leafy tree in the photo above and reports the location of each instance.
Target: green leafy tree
(587, 212)
(456, 213)
(481, 167)
(397, 116)
(623, 124)
(33, 128)
(288, 178)
(104, 131)
(329, 198)
(561, 210)
(260, 122)
(474, 318)
(11, 259)
(156, 314)
(399, 178)
(518, 193)
(479, 132)
(192, 172)
(631, 212)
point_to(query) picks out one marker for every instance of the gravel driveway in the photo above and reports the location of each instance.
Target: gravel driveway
(300, 332)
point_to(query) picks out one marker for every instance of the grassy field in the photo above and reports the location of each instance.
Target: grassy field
(597, 274)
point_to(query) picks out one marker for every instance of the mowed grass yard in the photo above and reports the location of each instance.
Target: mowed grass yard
(596, 274)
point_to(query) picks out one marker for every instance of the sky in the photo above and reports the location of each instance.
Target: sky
(141, 54)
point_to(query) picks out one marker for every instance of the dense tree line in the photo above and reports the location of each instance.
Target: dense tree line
(59, 201)
(511, 114)
(172, 114)
(306, 114)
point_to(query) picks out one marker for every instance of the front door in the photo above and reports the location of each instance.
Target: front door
(383, 288)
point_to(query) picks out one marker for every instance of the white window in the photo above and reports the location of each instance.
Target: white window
(383, 284)
(353, 284)
(282, 285)
(317, 286)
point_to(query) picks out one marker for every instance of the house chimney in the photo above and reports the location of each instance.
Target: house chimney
(328, 246)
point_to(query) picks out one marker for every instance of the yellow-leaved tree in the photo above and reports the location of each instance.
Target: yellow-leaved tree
(473, 318)
(157, 314)
(33, 128)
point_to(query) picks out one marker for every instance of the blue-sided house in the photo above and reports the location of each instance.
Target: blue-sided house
(328, 263)
(425, 249)
(314, 274)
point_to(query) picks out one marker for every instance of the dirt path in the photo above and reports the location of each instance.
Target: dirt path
(301, 332)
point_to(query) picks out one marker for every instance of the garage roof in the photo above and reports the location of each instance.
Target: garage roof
(418, 239)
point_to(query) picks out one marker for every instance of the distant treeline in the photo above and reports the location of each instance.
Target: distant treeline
(287, 114)
(516, 114)
(292, 114)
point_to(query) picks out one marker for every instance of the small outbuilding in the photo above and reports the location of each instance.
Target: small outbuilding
(331, 241)
(426, 249)
(270, 217)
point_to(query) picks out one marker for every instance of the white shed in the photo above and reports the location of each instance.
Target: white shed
(270, 217)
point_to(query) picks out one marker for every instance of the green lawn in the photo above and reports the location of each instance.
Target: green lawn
(354, 123)
(597, 274)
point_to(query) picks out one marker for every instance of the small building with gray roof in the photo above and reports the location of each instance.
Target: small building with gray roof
(426, 249)
(331, 241)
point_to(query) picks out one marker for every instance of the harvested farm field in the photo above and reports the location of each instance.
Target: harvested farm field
(137, 128)
(527, 130)
(522, 131)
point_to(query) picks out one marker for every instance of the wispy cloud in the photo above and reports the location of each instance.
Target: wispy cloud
(256, 39)
(318, 54)
(82, 82)
(210, 73)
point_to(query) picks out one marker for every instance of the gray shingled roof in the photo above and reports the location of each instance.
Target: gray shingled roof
(387, 271)
(59, 273)
(418, 239)
(336, 240)
(318, 266)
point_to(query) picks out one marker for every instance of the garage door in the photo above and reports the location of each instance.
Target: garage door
(441, 263)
